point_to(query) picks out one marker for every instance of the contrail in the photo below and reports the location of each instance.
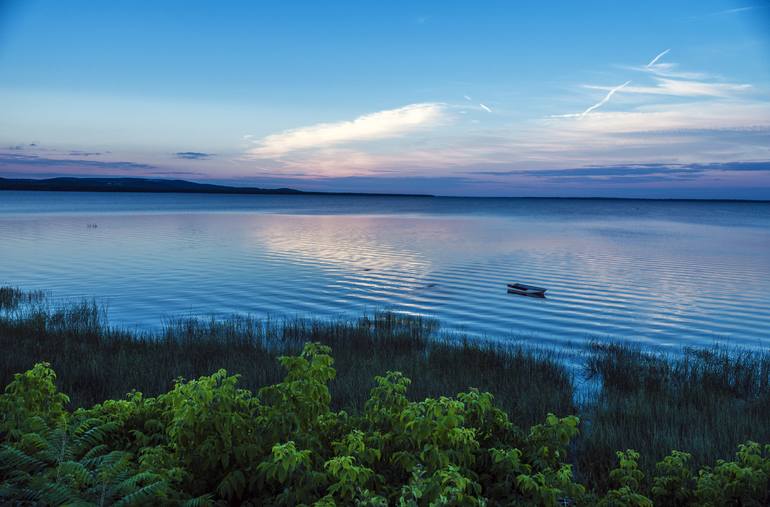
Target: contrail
(485, 108)
(605, 99)
(467, 98)
(661, 55)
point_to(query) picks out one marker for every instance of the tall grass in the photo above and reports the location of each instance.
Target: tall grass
(95, 361)
(704, 402)
(12, 297)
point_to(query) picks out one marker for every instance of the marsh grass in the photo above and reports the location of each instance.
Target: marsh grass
(12, 297)
(704, 402)
(95, 361)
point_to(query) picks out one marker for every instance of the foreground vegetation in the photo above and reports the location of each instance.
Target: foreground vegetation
(298, 427)
(96, 362)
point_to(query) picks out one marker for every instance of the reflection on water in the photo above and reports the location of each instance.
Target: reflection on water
(660, 278)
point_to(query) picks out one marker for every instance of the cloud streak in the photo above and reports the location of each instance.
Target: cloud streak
(605, 99)
(670, 81)
(660, 55)
(683, 88)
(735, 10)
(192, 155)
(369, 127)
(623, 170)
(35, 161)
(79, 153)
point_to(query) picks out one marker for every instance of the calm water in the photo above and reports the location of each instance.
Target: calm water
(659, 273)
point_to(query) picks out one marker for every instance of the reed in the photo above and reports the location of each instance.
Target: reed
(96, 362)
(702, 401)
(13, 297)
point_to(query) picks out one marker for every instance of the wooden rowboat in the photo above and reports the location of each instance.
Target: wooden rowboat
(526, 290)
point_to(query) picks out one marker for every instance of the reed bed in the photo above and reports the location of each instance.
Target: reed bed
(95, 361)
(704, 401)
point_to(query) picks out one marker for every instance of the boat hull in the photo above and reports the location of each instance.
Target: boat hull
(526, 290)
(532, 294)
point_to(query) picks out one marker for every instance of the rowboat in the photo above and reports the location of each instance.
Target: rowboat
(526, 290)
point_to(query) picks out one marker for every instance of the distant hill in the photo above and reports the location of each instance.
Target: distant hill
(132, 185)
(155, 186)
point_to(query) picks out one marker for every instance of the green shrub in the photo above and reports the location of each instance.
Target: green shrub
(673, 485)
(741, 482)
(209, 442)
(48, 457)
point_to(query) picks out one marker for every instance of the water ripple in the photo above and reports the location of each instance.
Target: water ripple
(658, 282)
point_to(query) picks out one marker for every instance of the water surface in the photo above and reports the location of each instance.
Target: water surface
(660, 273)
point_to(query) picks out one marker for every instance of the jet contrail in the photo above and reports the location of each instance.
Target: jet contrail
(605, 99)
(485, 108)
(467, 98)
(661, 55)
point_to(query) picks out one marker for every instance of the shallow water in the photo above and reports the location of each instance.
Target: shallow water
(660, 273)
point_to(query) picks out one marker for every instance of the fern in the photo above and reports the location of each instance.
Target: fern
(56, 467)
(12, 458)
(75, 472)
(142, 496)
(95, 453)
(200, 501)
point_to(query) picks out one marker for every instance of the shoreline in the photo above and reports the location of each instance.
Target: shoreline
(166, 186)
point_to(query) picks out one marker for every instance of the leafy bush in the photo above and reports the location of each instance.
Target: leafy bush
(209, 442)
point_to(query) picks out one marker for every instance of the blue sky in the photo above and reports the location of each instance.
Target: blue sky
(657, 99)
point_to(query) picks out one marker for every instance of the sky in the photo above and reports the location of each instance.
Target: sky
(484, 98)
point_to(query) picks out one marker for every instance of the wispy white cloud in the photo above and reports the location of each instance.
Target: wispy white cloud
(666, 114)
(683, 88)
(380, 125)
(667, 69)
(660, 55)
(481, 105)
(692, 116)
(735, 10)
(666, 79)
(696, 131)
(606, 98)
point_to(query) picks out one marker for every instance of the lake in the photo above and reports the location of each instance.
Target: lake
(659, 273)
